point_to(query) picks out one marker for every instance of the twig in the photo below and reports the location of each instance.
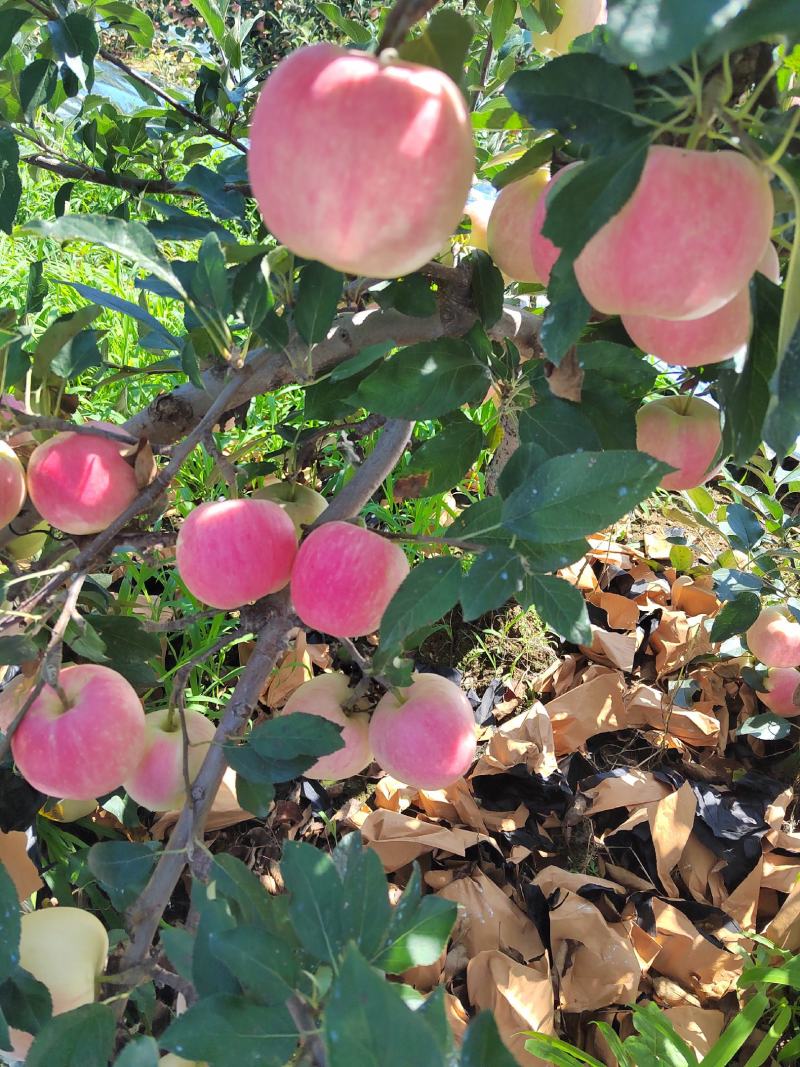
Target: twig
(273, 621)
(52, 422)
(400, 20)
(165, 626)
(313, 1054)
(221, 461)
(74, 170)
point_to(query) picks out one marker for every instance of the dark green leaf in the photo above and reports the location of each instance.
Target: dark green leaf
(215, 920)
(494, 577)
(534, 158)
(448, 455)
(210, 284)
(367, 1023)
(503, 15)
(12, 19)
(410, 296)
(75, 37)
(123, 867)
(569, 497)
(178, 944)
(766, 727)
(130, 18)
(283, 748)
(37, 83)
(190, 364)
(522, 462)
(126, 307)
(480, 522)
(558, 426)
(253, 298)
(82, 1037)
(430, 590)
(418, 930)
(230, 1031)
(129, 646)
(266, 967)
(566, 314)
(357, 33)
(745, 527)
(9, 925)
(255, 797)
(25, 1002)
(317, 900)
(544, 557)
(16, 649)
(425, 381)
(221, 201)
(10, 184)
(761, 19)
(444, 44)
(483, 1046)
(367, 911)
(140, 1052)
(582, 96)
(730, 583)
(486, 285)
(36, 289)
(782, 425)
(318, 295)
(560, 606)
(365, 358)
(79, 354)
(735, 617)
(59, 334)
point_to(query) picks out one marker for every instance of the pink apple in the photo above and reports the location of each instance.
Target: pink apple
(511, 226)
(579, 17)
(324, 696)
(543, 252)
(157, 782)
(12, 484)
(80, 483)
(87, 748)
(427, 740)
(372, 173)
(479, 212)
(684, 432)
(686, 242)
(231, 552)
(344, 577)
(781, 685)
(774, 639)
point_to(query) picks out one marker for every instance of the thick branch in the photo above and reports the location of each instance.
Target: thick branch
(274, 623)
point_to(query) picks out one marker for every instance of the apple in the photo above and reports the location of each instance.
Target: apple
(511, 223)
(479, 212)
(12, 484)
(18, 438)
(781, 685)
(427, 739)
(543, 252)
(26, 546)
(683, 431)
(80, 483)
(324, 696)
(344, 577)
(372, 173)
(770, 265)
(301, 503)
(70, 810)
(774, 639)
(686, 242)
(231, 552)
(88, 747)
(157, 782)
(65, 949)
(579, 17)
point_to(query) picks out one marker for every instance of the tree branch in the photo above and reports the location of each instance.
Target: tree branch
(400, 20)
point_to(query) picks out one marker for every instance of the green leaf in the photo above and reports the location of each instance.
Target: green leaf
(560, 606)
(210, 283)
(280, 749)
(230, 1031)
(25, 1002)
(75, 41)
(357, 33)
(12, 19)
(582, 96)
(78, 355)
(410, 296)
(130, 18)
(10, 183)
(425, 381)
(766, 727)
(663, 33)
(483, 1046)
(365, 358)
(253, 298)
(782, 425)
(212, 15)
(317, 904)
(495, 577)
(569, 497)
(126, 307)
(444, 44)
(123, 867)
(448, 455)
(503, 15)
(318, 295)
(659, 1042)
(130, 239)
(129, 646)
(745, 395)
(255, 797)
(428, 592)
(9, 925)
(554, 1050)
(418, 930)
(367, 1023)
(762, 19)
(140, 1052)
(36, 289)
(221, 201)
(735, 617)
(480, 522)
(558, 426)
(83, 1036)
(266, 967)
(535, 157)
(37, 83)
(367, 911)
(16, 649)
(736, 1033)
(486, 285)
(566, 314)
(59, 334)
(745, 527)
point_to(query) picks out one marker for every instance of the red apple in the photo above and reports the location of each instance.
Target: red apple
(774, 638)
(231, 552)
(428, 740)
(344, 577)
(372, 172)
(781, 685)
(80, 483)
(87, 748)
(684, 432)
(543, 252)
(511, 225)
(324, 696)
(157, 782)
(12, 484)
(686, 242)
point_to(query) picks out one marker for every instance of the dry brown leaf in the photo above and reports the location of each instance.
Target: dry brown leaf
(225, 810)
(566, 379)
(648, 706)
(580, 574)
(14, 857)
(527, 738)
(592, 708)
(630, 789)
(411, 487)
(678, 639)
(489, 920)
(700, 1028)
(520, 997)
(612, 649)
(690, 958)
(784, 928)
(399, 839)
(622, 614)
(145, 466)
(394, 795)
(695, 865)
(456, 1016)
(671, 821)
(742, 903)
(293, 669)
(691, 596)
